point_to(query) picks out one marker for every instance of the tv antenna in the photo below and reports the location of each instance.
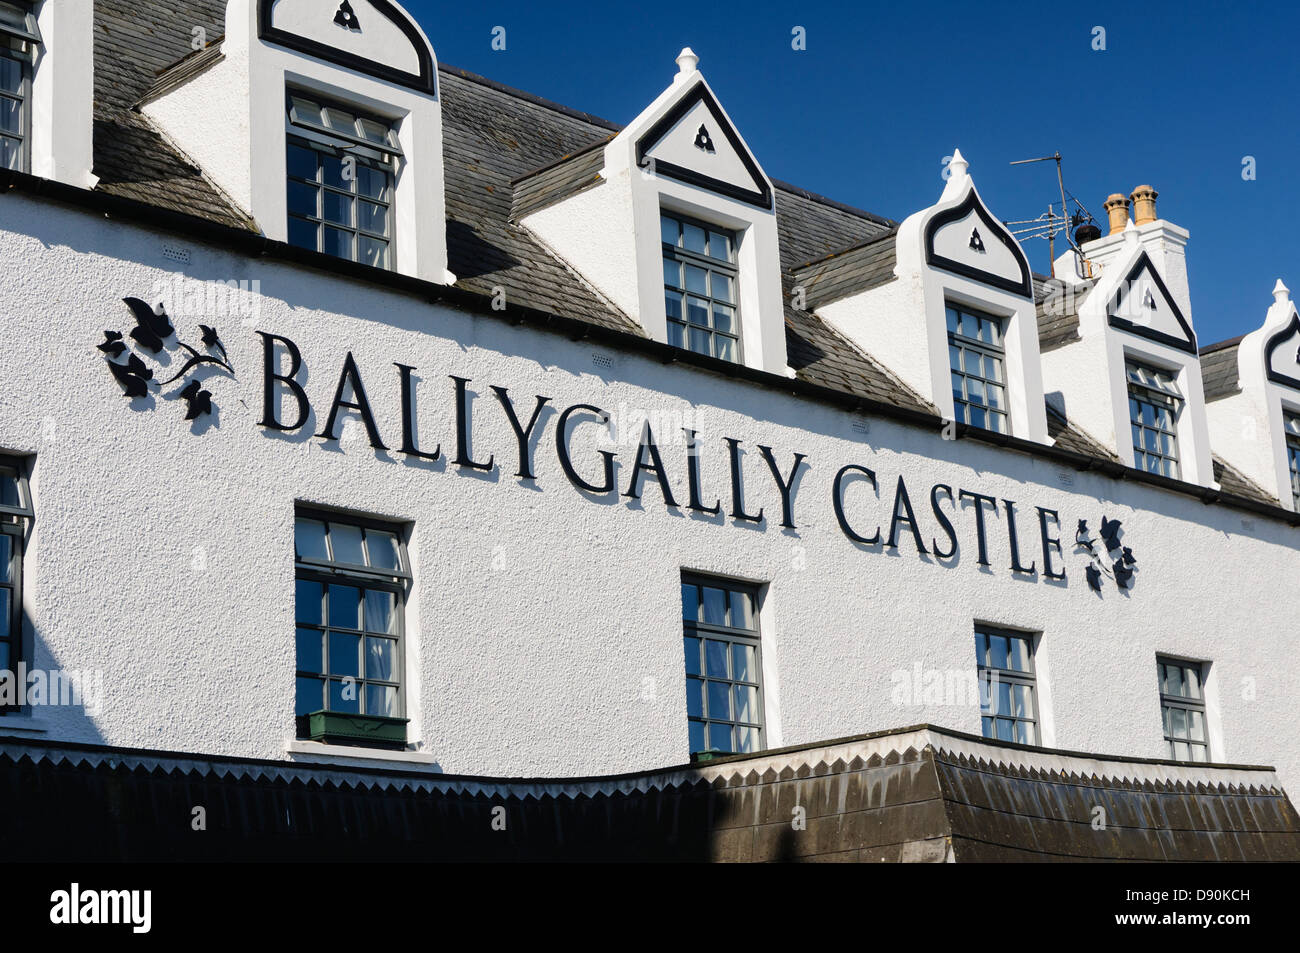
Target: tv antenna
(1078, 225)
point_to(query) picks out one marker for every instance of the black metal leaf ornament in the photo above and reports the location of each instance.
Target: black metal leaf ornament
(1110, 533)
(151, 327)
(133, 375)
(197, 401)
(1123, 575)
(112, 345)
(211, 340)
(1094, 577)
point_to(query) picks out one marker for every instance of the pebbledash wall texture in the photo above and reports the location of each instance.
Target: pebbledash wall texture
(544, 621)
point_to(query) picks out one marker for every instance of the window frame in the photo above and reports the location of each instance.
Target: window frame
(704, 631)
(1184, 703)
(328, 572)
(30, 37)
(961, 409)
(322, 140)
(1291, 445)
(1161, 392)
(683, 256)
(15, 523)
(989, 715)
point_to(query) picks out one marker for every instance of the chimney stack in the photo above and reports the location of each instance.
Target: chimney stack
(1144, 204)
(1117, 208)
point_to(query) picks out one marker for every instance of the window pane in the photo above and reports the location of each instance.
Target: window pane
(309, 539)
(667, 230)
(1004, 698)
(1023, 698)
(372, 217)
(381, 700)
(310, 696)
(1019, 654)
(720, 737)
(303, 234)
(693, 238)
(746, 699)
(1024, 733)
(11, 153)
(998, 651)
(722, 288)
(715, 606)
(6, 556)
(11, 116)
(672, 273)
(345, 607)
(302, 199)
(331, 168)
(1196, 726)
(725, 347)
(676, 334)
(307, 602)
(345, 539)
(741, 614)
(691, 647)
(374, 131)
(719, 700)
(372, 182)
(953, 323)
(719, 246)
(336, 207)
(1192, 678)
(697, 312)
(724, 318)
(695, 698)
(345, 654)
(746, 739)
(302, 162)
(1178, 723)
(11, 74)
(1005, 731)
(743, 668)
(700, 341)
(690, 602)
(380, 612)
(372, 252)
(345, 697)
(715, 658)
(697, 737)
(383, 550)
(673, 306)
(697, 280)
(311, 648)
(381, 659)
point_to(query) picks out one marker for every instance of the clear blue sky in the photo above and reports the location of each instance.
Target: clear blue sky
(883, 92)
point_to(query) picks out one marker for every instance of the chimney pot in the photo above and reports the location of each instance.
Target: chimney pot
(1144, 204)
(1117, 208)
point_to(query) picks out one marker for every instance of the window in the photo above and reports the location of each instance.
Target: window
(700, 287)
(1291, 424)
(341, 168)
(978, 364)
(352, 583)
(1008, 708)
(1154, 403)
(15, 519)
(1182, 709)
(19, 38)
(724, 699)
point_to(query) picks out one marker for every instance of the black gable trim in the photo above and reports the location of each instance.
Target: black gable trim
(426, 81)
(1274, 342)
(762, 198)
(1144, 261)
(1024, 287)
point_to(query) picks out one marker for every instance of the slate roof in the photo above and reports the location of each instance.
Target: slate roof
(506, 153)
(1219, 369)
(1058, 312)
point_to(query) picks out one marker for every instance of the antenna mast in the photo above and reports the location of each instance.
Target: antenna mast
(1051, 223)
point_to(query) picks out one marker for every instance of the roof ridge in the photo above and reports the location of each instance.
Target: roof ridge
(528, 97)
(1222, 345)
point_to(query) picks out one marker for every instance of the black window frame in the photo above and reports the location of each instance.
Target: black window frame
(322, 140)
(696, 628)
(16, 521)
(1185, 703)
(19, 44)
(679, 328)
(990, 715)
(961, 344)
(1156, 387)
(364, 577)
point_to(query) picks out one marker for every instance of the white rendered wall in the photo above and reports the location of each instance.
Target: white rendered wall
(544, 629)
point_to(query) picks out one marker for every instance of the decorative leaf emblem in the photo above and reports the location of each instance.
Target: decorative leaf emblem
(703, 141)
(976, 242)
(346, 17)
(152, 332)
(1112, 559)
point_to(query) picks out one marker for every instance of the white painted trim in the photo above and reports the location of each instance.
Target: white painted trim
(344, 754)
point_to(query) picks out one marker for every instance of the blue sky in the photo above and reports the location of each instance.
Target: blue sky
(1181, 94)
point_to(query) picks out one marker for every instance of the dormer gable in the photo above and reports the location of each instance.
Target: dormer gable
(1141, 304)
(678, 230)
(694, 142)
(321, 121)
(1256, 423)
(958, 323)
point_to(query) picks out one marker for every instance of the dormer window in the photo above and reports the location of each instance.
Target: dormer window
(1155, 404)
(700, 287)
(341, 169)
(1291, 426)
(977, 358)
(19, 38)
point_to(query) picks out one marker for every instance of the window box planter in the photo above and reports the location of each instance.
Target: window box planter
(331, 726)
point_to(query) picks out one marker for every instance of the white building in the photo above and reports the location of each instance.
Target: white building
(543, 400)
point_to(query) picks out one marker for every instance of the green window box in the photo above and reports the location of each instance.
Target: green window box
(373, 730)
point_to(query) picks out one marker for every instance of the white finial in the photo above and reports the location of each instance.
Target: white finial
(958, 164)
(687, 62)
(1281, 292)
(1130, 233)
